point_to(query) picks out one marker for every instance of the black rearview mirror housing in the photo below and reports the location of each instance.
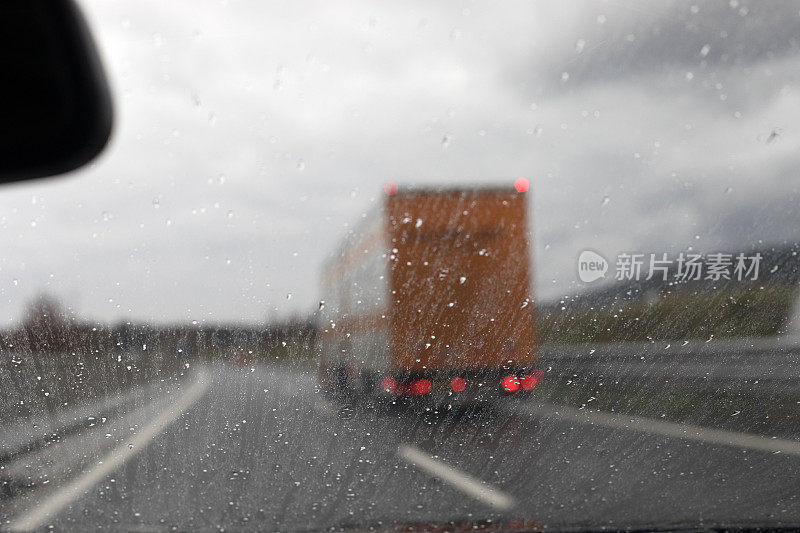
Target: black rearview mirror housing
(55, 107)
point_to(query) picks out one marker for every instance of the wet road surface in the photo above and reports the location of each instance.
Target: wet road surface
(238, 449)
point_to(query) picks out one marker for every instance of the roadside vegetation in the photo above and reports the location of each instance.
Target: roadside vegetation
(681, 314)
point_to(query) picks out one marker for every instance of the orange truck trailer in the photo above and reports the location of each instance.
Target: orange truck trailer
(430, 296)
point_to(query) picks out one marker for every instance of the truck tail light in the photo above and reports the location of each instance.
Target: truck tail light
(458, 384)
(389, 383)
(420, 387)
(510, 384)
(528, 382)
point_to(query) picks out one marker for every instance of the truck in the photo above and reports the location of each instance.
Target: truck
(430, 296)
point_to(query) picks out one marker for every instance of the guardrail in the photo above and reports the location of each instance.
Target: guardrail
(750, 363)
(40, 429)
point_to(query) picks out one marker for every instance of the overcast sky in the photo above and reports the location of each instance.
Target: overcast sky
(250, 135)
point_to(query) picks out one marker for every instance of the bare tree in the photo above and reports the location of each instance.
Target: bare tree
(47, 324)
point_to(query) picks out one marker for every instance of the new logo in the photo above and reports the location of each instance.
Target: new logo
(591, 266)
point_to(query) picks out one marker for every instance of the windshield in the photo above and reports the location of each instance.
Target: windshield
(435, 266)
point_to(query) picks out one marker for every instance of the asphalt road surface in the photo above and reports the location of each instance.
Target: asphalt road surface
(239, 449)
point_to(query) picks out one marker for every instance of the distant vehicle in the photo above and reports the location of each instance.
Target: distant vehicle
(430, 296)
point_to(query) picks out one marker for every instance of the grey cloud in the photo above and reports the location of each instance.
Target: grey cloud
(608, 42)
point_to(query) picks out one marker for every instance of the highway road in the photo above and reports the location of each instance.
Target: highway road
(242, 449)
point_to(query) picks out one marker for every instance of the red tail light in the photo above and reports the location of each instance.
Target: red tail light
(510, 384)
(422, 386)
(458, 384)
(388, 383)
(528, 382)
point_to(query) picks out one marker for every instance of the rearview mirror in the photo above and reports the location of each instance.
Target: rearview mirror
(55, 108)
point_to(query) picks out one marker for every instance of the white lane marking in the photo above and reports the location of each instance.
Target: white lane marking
(37, 516)
(461, 480)
(669, 429)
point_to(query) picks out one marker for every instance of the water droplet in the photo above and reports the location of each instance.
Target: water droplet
(289, 296)
(301, 165)
(606, 200)
(346, 412)
(462, 279)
